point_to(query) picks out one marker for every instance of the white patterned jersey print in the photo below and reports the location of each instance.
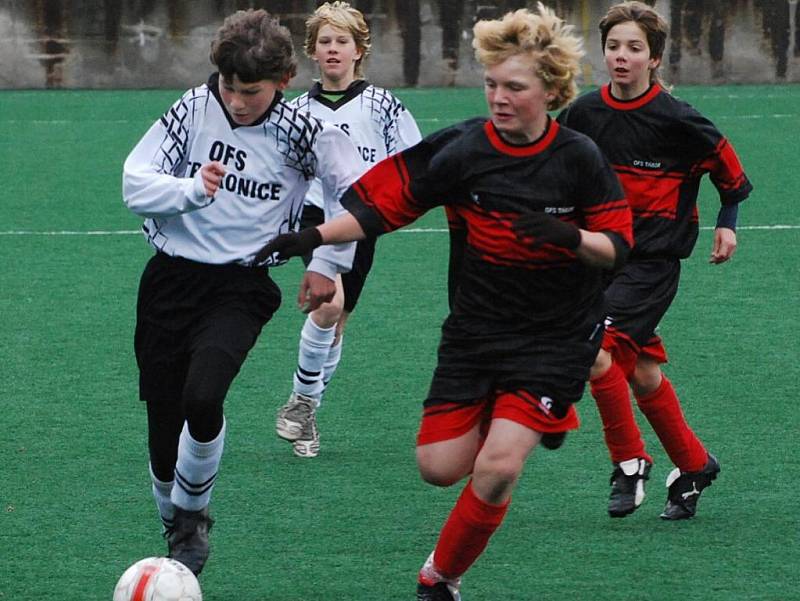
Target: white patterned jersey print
(376, 121)
(269, 168)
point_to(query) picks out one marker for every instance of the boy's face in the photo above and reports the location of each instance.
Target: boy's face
(517, 98)
(336, 53)
(628, 60)
(246, 102)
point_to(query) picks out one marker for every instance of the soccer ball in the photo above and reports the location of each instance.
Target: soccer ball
(158, 579)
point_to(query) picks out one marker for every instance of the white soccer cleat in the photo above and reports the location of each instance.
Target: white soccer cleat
(432, 586)
(294, 415)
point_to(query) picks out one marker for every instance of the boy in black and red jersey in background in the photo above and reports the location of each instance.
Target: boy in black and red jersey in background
(660, 147)
(527, 316)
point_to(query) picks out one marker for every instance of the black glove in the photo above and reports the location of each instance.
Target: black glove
(293, 244)
(546, 229)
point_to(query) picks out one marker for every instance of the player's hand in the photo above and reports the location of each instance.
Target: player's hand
(546, 229)
(293, 244)
(724, 245)
(315, 289)
(212, 174)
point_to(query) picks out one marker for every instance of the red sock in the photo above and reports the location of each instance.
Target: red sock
(623, 437)
(466, 533)
(663, 410)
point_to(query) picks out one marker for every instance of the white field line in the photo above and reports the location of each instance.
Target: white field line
(442, 120)
(410, 230)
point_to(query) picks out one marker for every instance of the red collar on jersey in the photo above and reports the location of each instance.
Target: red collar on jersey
(629, 105)
(521, 150)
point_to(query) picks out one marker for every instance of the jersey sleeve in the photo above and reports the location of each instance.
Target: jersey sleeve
(605, 207)
(408, 133)
(402, 187)
(719, 159)
(338, 166)
(400, 130)
(154, 183)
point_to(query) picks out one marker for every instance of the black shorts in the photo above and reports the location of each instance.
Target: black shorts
(472, 367)
(353, 281)
(638, 297)
(184, 307)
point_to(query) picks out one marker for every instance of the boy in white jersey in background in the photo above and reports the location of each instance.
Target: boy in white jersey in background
(224, 170)
(337, 39)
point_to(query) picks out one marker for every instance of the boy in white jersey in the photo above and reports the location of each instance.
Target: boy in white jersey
(225, 169)
(337, 38)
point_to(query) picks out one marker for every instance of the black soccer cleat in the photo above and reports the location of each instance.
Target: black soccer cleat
(685, 488)
(188, 538)
(627, 486)
(440, 591)
(553, 440)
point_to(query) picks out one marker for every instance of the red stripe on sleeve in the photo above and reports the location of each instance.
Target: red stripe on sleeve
(385, 189)
(725, 168)
(614, 216)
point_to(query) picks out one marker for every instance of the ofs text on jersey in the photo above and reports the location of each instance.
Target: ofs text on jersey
(368, 155)
(242, 186)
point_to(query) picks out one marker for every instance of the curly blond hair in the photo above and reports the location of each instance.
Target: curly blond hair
(541, 35)
(339, 15)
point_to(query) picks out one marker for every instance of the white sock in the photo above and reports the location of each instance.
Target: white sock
(161, 493)
(315, 344)
(331, 363)
(196, 470)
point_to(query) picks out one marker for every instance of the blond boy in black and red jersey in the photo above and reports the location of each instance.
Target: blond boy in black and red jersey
(527, 316)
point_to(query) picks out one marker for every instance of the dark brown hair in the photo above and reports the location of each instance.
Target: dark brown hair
(651, 23)
(254, 46)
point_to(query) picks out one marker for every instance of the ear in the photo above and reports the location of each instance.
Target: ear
(284, 82)
(654, 63)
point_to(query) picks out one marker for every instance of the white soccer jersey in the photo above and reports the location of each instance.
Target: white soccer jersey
(269, 168)
(377, 122)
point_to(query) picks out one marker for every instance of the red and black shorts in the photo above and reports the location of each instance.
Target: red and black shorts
(353, 281)
(637, 298)
(531, 380)
(448, 420)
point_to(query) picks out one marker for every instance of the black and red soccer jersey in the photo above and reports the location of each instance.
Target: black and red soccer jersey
(660, 147)
(505, 285)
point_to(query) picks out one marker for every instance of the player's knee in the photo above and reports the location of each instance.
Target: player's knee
(501, 469)
(340, 325)
(207, 382)
(646, 378)
(439, 471)
(327, 315)
(602, 364)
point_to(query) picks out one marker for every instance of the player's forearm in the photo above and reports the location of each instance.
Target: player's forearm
(154, 195)
(597, 249)
(151, 193)
(342, 229)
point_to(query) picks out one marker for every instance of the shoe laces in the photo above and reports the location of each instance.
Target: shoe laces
(187, 526)
(299, 408)
(309, 431)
